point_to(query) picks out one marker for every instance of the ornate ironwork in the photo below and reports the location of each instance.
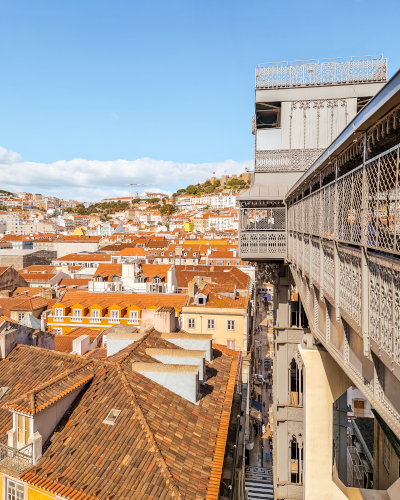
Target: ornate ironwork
(329, 268)
(321, 72)
(286, 160)
(15, 460)
(360, 207)
(273, 219)
(350, 282)
(262, 244)
(267, 273)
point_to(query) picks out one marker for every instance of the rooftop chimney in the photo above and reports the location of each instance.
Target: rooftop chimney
(180, 379)
(81, 345)
(180, 357)
(192, 341)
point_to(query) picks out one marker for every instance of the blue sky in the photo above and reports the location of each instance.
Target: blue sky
(88, 82)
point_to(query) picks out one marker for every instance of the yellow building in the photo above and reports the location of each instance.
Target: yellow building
(218, 310)
(79, 231)
(103, 310)
(188, 227)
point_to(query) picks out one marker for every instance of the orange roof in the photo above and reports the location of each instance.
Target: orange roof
(123, 300)
(84, 257)
(132, 252)
(107, 271)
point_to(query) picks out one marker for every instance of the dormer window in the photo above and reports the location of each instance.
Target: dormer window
(201, 299)
(99, 278)
(115, 279)
(185, 254)
(23, 429)
(162, 254)
(157, 279)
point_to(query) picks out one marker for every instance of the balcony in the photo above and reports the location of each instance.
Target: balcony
(262, 233)
(13, 460)
(262, 245)
(114, 321)
(133, 321)
(95, 320)
(76, 319)
(58, 318)
(320, 72)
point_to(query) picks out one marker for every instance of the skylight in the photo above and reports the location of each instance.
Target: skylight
(112, 417)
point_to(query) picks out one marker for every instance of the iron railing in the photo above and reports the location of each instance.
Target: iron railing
(261, 219)
(262, 244)
(286, 160)
(321, 72)
(360, 207)
(13, 459)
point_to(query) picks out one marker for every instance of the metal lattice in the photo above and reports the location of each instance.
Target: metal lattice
(315, 263)
(361, 207)
(262, 219)
(350, 283)
(286, 160)
(321, 72)
(263, 243)
(329, 267)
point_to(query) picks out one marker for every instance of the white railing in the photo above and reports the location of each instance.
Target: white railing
(75, 319)
(95, 320)
(57, 318)
(321, 72)
(132, 321)
(114, 320)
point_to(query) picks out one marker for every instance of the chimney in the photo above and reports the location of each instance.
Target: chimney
(192, 288)
(191, 341)
(121, 336)
(180, 357)
(172, 283)
(81, 345)
(180, 379)
(164, 319)
(8, 340)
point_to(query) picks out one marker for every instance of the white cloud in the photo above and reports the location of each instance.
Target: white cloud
(92, 180)
(9, 157)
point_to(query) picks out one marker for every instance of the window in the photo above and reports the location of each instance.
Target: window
(162, 254)
(58, 331)
(23, 429)
(133, 315)
(77, 313)
(114, 314)
(200, 300)
(230, 344)
(21, 316)
(3, 390)
(386, 453)
(231, 324)
(59, 312)
(99, 278)
(115, 279)
(210, 324)
(112, 417)
(157, 279)
(95, 313)
(191, 323)
(15, 491)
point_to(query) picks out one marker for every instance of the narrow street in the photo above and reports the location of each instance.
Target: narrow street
(259, 482)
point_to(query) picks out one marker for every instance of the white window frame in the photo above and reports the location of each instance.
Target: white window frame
(58, 312)
(95, 313)
(133, 314)
(14, 490)
(231, 325)
(21, 316)
(191, 323)
(114, 313)
(26, 432)
(211, 324)
(230, 344)
(77, 313)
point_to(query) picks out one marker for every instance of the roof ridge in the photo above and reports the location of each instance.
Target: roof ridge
(166, 473)
(32, 393)
(134, 346)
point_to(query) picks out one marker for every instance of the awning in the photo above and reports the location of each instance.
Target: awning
(255, 404)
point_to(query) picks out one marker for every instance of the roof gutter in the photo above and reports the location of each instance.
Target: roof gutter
(379, 105)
